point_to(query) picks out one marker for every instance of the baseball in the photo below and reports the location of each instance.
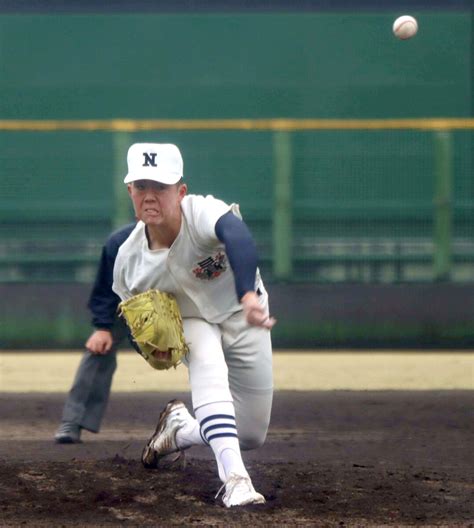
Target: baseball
(405, 27)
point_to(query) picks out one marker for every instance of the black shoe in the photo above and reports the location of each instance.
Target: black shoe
(68, 433)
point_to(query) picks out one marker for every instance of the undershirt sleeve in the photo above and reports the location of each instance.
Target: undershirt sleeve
(241, 251)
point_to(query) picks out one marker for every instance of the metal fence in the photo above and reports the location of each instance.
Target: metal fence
(388, 200)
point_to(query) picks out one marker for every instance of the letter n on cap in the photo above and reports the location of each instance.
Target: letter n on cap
(149, 159)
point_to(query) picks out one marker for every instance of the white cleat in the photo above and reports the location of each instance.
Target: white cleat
(163, 441)
(239, 491)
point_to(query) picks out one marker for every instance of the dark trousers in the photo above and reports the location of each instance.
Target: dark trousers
(87, 400)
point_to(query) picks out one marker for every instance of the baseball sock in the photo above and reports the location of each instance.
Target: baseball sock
(189, 435)
(219, 430)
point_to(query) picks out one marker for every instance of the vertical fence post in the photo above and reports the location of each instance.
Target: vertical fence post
(121, 142)
(282, 205)
(442, 225)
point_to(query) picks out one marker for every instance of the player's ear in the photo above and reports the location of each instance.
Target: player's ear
(129, 188)
(182, 190)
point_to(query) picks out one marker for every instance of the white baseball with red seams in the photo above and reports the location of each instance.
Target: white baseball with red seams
(405, 27)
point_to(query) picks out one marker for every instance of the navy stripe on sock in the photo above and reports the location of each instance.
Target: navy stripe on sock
(222, 435)
(215, 417)
(219, 426)
(203, 438)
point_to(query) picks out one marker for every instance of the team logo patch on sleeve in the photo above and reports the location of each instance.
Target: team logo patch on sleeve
(211, 267)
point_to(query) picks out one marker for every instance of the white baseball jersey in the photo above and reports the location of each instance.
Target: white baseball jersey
(195, 268)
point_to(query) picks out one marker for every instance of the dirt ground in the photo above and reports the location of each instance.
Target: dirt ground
(332, 459)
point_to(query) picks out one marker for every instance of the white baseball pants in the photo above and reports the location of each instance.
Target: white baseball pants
(232, 361)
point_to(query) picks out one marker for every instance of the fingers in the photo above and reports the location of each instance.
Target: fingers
(100, 342)
(269, 322)
(160, 354)
(97, 349)
(258, 317)
(102, 351)
(264, 321)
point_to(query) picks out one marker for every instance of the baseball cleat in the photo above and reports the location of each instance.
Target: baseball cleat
(239, 491)
(68, 433)
(163, 441)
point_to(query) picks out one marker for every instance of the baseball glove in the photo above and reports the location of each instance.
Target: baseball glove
(155, 324)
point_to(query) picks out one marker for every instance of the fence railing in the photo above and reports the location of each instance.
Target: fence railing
(292, 241)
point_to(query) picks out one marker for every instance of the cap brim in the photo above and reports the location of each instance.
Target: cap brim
(166, 178)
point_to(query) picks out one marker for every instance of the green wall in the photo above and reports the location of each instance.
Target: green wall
(238, 65)
(62, 185)
(58, 189)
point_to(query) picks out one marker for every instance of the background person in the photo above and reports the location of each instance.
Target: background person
(87, 400)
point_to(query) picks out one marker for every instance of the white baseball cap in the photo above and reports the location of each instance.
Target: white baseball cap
(160, 162)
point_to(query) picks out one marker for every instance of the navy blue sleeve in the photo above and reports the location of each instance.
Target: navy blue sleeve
(241, 251)
(103, 301)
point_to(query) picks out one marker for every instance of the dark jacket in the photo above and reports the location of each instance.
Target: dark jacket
(103, 301)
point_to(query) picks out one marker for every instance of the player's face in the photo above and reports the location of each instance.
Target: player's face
(156, 203)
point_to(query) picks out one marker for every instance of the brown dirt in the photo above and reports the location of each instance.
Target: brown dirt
(332, 459)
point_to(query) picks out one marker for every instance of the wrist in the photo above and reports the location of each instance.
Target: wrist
(247, 295)
(103, 329)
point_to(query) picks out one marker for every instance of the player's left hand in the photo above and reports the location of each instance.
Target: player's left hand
(163, 355)
(255, 313)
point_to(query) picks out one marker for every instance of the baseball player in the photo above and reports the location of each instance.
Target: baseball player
(86, 402)
(199, 249)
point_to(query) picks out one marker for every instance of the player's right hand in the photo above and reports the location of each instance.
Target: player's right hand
(100, 342)
(255, 312)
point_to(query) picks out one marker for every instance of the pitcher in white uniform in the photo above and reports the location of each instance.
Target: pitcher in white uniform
(199, 249)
